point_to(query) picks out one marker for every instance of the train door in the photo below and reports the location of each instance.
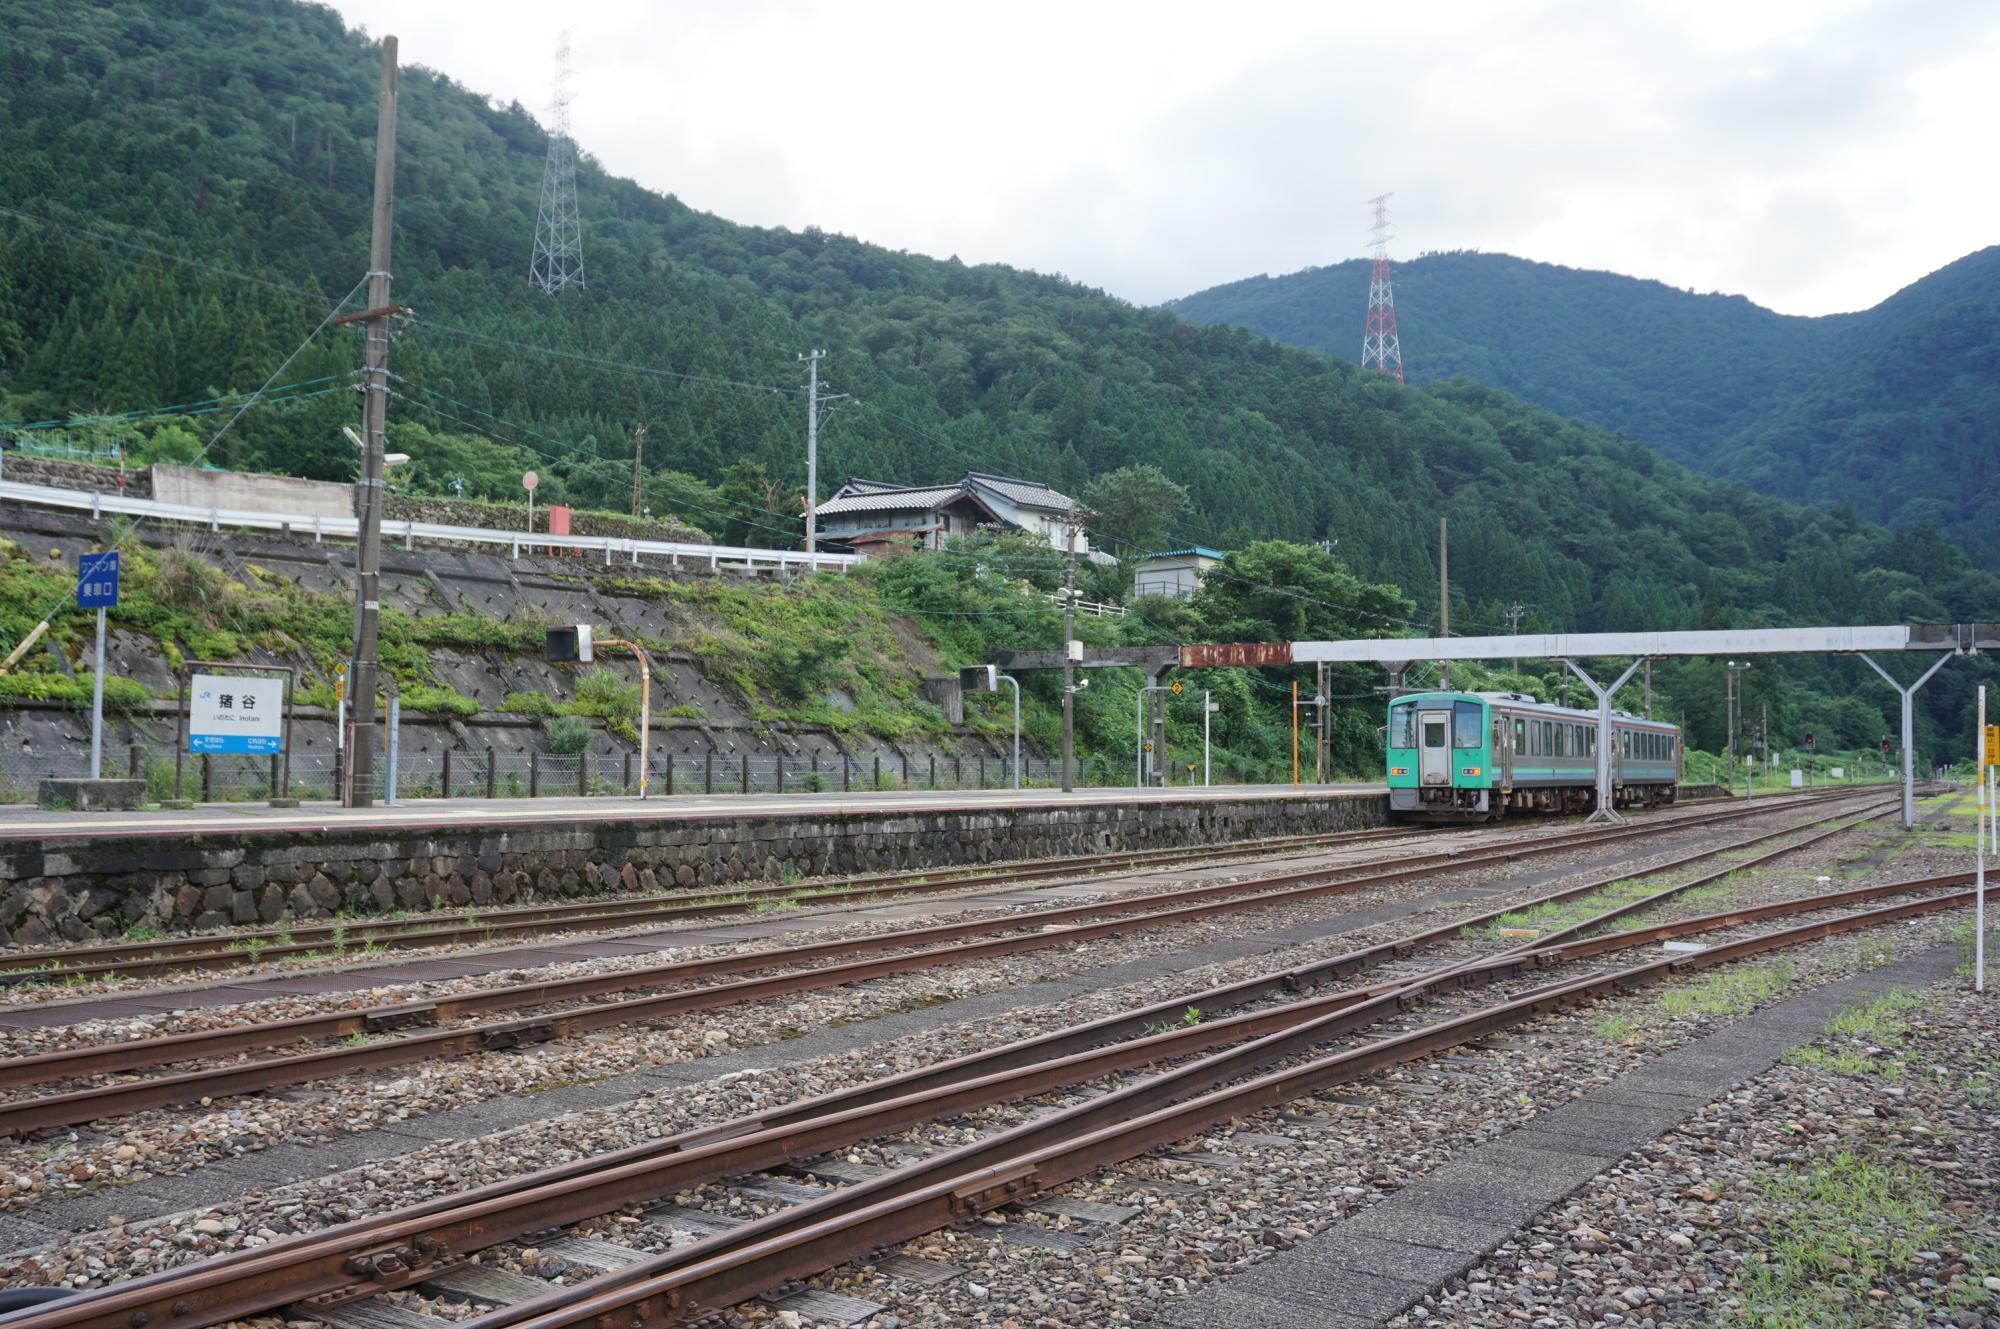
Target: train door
(1503, 754)
(1434, 761)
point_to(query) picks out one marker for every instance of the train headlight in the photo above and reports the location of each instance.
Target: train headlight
(1399, 770)
(1470, 770)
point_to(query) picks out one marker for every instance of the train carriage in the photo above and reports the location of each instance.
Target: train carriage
(1475, 756)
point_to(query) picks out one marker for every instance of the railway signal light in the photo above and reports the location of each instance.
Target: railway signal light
(1809, 742)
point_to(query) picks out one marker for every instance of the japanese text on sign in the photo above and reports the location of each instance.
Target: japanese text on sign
(236, 714)
(97, 581)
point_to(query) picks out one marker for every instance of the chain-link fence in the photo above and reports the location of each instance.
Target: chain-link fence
(488, 773)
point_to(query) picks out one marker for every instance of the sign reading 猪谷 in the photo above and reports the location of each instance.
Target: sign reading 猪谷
(234, 713)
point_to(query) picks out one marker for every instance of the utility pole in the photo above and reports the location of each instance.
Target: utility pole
(1649, 689)
(359, 792)
(1735, 697)
(1514, 613)
(1444, 596)
(1069, 660)
(813, 445)
(638, 451)
(812, 359)
(1320, 752)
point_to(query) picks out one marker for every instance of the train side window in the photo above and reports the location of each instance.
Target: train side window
(1548, 748)
(1520, 736)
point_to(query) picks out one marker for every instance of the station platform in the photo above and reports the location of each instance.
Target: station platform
(79, 876)
(19, 822)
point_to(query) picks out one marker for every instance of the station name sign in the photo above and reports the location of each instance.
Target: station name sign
(236, 714)
(1236, 655)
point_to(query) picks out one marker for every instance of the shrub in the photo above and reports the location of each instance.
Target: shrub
(38, 685)
(528, 703)
(184, 580)
(567, 734)
(422, 697)
(601, 692)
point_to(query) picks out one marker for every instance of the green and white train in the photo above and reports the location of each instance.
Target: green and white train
(1476, 756)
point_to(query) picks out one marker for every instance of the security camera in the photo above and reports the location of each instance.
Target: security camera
(1082, 683)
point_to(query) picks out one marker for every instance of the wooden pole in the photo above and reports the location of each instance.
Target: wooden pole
(638, 451)
(374, 417)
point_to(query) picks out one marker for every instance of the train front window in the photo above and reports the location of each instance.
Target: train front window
(1468, 728)
(1403, 726)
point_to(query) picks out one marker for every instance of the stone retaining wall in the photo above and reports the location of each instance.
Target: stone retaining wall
(83, 889)
(60, 474)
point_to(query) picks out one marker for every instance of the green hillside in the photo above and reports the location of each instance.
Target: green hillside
(1894, 410)
(237, 134)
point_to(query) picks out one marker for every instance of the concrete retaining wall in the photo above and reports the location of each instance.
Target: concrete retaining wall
(83, 889)
(240, 491)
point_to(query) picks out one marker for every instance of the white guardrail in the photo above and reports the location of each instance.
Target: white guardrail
(409, 532)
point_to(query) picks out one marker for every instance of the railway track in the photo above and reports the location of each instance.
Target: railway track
(348, 939)
(416, 1031)
(1270, 1054)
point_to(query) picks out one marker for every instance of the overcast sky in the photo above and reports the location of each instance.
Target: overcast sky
(1814, 155)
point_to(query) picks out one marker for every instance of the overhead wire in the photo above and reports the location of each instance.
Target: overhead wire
(127, 532)
(316, 297)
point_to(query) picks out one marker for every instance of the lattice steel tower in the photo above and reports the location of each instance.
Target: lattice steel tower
(1380, 347)
(558, 260)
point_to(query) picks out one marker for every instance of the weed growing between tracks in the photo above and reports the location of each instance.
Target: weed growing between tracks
(1842, 1229)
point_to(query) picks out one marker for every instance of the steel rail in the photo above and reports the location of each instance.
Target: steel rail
(646, 1172)
(96, 1103)
(116, 1099)
(230, 950)
(410, 1245)
(721, 1271)
(804, 1138)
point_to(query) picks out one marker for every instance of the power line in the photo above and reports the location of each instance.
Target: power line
(571, 454)
(620, 366)
(22, 214)
(132, 526)
(202, 406)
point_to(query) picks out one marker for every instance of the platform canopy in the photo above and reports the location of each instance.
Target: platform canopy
(1601, 645)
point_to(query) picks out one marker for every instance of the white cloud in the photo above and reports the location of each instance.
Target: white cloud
(1814, 156)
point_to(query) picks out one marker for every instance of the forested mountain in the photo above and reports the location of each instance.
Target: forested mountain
(237, 135)
(1895, 410)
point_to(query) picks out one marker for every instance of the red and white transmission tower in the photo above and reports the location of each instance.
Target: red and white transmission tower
(1380, 347)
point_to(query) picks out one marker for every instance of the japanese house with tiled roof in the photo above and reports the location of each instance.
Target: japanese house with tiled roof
(867, 516)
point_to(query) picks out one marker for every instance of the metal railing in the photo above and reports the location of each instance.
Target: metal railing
(489, 773)
(321, 525)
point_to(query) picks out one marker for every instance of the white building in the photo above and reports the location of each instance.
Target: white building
(1173, 573)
